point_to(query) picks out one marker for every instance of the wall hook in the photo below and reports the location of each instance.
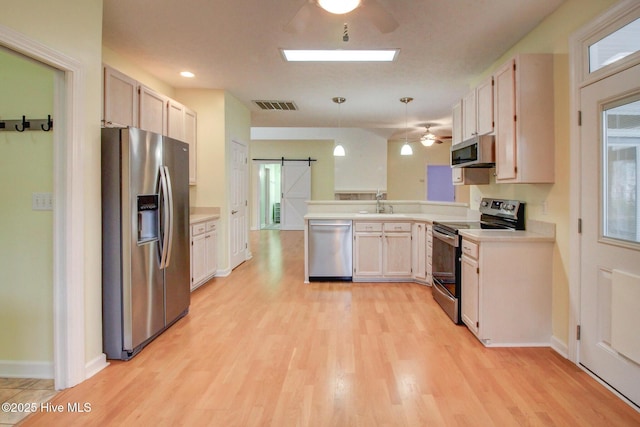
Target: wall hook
(49, 124)
(25, 125)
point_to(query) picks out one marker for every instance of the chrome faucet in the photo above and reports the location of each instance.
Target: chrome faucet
(379, 205)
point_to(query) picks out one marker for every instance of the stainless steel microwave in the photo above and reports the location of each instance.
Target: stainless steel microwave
(477, 152)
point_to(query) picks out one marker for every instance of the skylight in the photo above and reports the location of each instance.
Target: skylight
(339, 55)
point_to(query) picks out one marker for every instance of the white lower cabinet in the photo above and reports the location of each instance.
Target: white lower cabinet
(419, 253)
(382, 251)
(506, 291)
(204, 252)
(470, 290)
(367, 259)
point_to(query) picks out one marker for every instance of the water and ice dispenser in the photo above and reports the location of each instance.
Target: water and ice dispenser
(148, 214)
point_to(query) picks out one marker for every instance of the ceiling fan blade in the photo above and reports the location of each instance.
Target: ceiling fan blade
(378, 15)
(301, 19)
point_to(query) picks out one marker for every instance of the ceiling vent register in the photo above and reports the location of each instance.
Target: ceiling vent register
(277, 105)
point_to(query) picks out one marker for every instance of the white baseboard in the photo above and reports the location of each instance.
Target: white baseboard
(223, 273)
(96, 365)
(22, 369)
(560, 347)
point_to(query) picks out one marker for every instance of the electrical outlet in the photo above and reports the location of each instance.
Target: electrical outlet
(545, 208)
(42, 201)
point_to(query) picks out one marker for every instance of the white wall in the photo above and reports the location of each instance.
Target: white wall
(364, 168)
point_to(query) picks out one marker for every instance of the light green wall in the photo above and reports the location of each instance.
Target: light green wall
(26, 246)
(321, 170)
(406, 175)
(74, 28)
(551, 36)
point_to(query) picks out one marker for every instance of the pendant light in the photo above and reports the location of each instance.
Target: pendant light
(338, 150)
(338, 7)
(406, 149)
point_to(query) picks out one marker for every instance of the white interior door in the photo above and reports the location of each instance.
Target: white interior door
(238, 224)
(296, 190)
(610, 242)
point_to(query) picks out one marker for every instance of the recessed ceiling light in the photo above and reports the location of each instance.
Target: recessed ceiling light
(339, 55)
(187, 74)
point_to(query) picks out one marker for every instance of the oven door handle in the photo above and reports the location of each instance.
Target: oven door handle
(451, 240)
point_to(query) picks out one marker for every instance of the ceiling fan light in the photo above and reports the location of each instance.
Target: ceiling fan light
(427, 142)
(428, 139)
(338, 151)
(339, 7)
(406, 150)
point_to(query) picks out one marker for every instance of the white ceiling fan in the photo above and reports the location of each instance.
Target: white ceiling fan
(372, 9)
(427, 137)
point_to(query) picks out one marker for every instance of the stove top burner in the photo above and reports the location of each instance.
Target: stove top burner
(496, 214)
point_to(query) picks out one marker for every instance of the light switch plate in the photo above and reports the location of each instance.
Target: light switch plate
(42, 201)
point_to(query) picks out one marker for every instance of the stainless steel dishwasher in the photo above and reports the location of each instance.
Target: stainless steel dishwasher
(330, 246)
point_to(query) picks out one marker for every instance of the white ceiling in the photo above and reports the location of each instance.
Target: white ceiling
(234, 45)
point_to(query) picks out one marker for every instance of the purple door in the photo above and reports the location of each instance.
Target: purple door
(440, 184)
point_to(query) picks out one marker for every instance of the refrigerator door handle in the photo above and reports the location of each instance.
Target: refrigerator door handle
(165, 218)
(167, 176)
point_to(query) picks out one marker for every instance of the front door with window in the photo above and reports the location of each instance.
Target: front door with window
(610, 242)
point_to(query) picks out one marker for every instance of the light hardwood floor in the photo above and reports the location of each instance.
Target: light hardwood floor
(260, 348)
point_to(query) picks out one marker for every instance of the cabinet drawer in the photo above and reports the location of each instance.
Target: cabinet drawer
(198, 229)
(211, 225)
(368, 226)
(397, 226)
(470, 249)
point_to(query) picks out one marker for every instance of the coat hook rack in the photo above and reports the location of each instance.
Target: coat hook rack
(24, 124)
(49, 124)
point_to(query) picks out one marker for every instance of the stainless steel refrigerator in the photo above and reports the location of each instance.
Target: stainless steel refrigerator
(145, 237)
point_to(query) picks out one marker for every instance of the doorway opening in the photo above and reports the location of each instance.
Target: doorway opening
(26, 220)
(439, 184)
(69, 365)
(270, 176)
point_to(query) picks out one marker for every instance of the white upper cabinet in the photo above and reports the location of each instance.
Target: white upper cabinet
(484, 107)
(477, 110)
(153, 111)
(524, 121)
(127, 102)
(456, 123)
(182, 125)
(190, 137)
(120, 102)
(469, 128)
(175, 120)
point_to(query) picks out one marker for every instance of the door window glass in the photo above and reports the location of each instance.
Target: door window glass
(615, 46)
(621, 171)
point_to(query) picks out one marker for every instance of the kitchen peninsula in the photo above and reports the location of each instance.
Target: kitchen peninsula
(380, 246)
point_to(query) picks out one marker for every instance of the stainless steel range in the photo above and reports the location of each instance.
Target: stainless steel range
(495, 214)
